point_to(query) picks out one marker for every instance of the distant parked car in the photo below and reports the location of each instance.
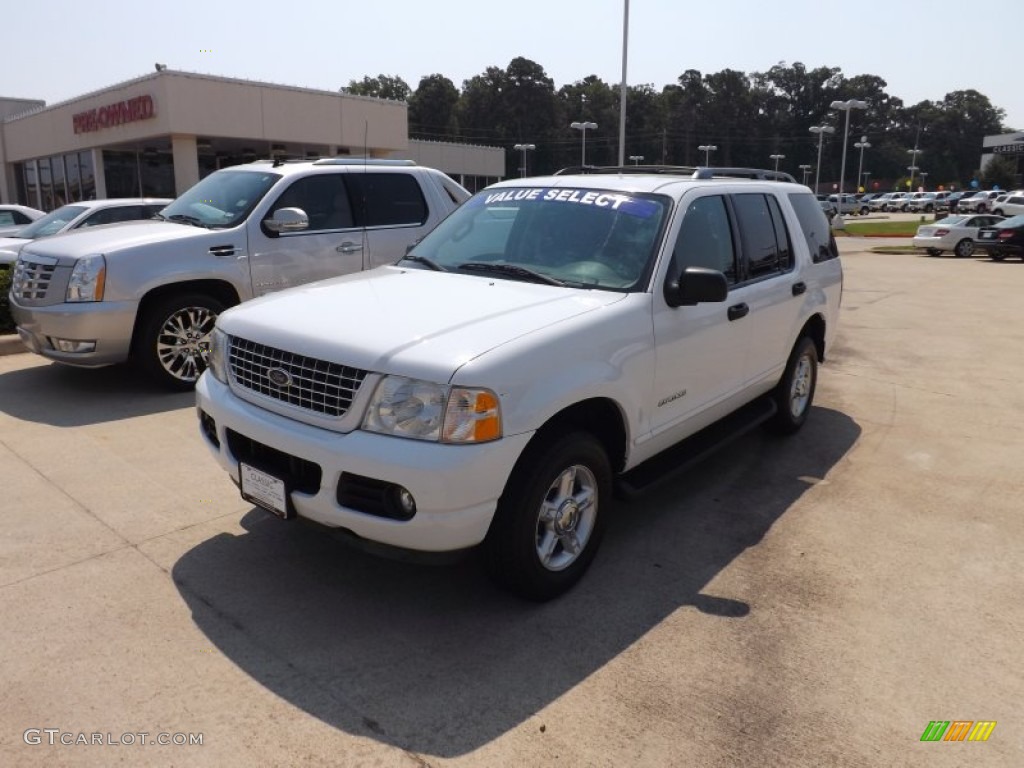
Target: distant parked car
(927, 202)
(954, 199)
(829, 208)
(897, 202)
(880, 202)
(849, 203)
(1005, 238)
(979, 202)
(14, 217)
(88, 213)
(953, 233)
(1012, 205)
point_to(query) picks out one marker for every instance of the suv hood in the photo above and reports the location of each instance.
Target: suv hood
(113, 237)
(410, 322)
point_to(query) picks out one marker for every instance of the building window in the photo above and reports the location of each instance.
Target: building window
(87, 175)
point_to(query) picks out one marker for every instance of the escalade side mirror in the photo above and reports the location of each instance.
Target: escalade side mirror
(287, 220)
(696, 286)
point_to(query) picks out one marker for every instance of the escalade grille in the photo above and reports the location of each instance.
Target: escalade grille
(316, 385)
(31, 281)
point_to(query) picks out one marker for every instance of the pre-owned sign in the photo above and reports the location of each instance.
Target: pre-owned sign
(118, 113)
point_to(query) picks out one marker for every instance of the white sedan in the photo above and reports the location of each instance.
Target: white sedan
(953, 233)
(14, 217)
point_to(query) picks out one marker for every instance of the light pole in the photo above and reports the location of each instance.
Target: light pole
(776, 158)
(636, 159)
(622, 87)
(821, 130)
(861, 145)
(707, 149)
(913, 163)
(807, 172)
(924, 179)
(867, 175)
(910, 184)
(583, 127)
(524, 148)
(847, 107)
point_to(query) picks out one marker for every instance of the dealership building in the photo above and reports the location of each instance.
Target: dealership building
(157, 135)
(1007, 145)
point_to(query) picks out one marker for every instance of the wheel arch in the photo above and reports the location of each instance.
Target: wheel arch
(814, 329)
(600, 416)
(221, 290)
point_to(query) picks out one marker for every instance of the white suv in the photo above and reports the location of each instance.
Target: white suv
(553, 337)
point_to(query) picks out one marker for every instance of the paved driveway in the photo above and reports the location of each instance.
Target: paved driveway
(806, 602)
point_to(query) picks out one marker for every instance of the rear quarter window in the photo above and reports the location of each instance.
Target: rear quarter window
(814, 224)
(387, 199)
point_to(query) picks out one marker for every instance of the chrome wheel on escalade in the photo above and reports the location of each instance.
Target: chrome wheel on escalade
(173, 340)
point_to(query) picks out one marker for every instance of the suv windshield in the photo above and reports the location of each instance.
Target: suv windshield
(590, 238)
(51, 223)
(221, 200)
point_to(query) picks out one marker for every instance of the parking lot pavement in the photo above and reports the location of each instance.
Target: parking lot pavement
(803, 602)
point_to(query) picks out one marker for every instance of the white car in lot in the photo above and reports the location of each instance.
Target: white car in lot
(979, 202)
(14, 217)
(75, 216)
(553, 336)
(1013, 205)
(953, 233)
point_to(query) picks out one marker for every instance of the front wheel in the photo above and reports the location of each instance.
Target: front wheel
(173, 339)
(550, 517)
(964, 248)
(795, 391)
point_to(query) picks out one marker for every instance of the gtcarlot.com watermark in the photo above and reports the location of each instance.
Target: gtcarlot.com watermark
(56, 737)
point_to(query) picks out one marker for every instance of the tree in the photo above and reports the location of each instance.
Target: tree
(999, 172)
(381, 87)
(432, 109)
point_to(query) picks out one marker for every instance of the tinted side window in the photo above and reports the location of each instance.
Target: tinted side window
(705, 238)
(757, 233)
(781, 235)
(20, 218)
(812, 220)
(387, 199)
(6, 219)
(113, 215)
(323, 197)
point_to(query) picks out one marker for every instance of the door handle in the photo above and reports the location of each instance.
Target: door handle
(737, 311)
(349, 248)
(799, 288)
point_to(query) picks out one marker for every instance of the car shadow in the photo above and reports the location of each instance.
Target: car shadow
(63, 396)
(435, 659)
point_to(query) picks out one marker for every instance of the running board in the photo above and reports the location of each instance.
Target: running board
(685, 454)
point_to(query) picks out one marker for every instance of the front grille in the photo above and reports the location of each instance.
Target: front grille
(316, 385)
(31, 280)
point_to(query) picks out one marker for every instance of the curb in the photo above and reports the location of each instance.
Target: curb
(11, 345)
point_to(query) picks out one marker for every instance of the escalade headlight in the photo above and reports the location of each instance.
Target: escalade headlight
(217, 358)
(88, 279)
(426, 411)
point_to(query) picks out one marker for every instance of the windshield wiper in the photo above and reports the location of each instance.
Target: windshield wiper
(195, 222)
(425, 261)
(512, 270)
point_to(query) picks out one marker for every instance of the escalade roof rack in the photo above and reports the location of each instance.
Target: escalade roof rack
(693, 171)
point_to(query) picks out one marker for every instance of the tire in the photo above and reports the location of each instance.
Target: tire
(173, 339)
(980, 208)
(929, 209)
(964, 248)
(998, 211)
(795, 391)
(556, 500)
(934, 252)
(864, 210)
(997, 256)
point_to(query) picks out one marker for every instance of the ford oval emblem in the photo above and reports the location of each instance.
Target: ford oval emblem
(279, 377)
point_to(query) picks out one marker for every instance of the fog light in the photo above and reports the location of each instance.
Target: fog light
(69, 345)
(406, 501)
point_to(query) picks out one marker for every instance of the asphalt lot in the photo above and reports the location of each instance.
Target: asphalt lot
(814, 601)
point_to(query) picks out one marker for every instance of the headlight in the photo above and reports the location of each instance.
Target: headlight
(427, 411)
(88, 279)
(217, 358)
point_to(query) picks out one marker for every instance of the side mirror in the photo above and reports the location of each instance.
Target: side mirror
(696, 286)
(287, 220)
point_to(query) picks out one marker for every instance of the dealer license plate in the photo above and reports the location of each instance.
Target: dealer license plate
(264, 490)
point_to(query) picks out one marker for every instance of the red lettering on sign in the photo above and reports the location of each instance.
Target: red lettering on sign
(118, 113)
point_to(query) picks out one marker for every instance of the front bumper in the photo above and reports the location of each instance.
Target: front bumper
(456, 487)
(108, 324)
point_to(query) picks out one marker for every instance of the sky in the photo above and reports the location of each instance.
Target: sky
(923, 50)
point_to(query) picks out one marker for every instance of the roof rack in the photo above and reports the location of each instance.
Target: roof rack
(693, 171)
(361, 161)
